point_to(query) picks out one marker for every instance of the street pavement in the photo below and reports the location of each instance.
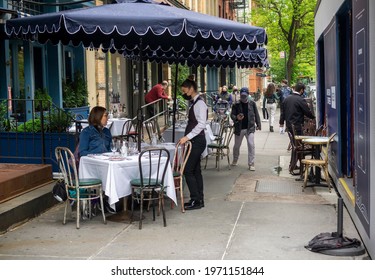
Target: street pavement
(248, 215)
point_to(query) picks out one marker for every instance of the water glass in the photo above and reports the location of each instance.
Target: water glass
(114, 147)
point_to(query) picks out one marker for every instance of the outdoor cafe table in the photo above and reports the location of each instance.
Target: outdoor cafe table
(116, 175)
(180, 132)
(316, 142)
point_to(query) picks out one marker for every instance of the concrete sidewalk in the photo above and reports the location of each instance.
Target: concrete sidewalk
(257, 215)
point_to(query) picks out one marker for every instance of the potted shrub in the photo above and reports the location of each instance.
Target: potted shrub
(42, 100)
(75, 95)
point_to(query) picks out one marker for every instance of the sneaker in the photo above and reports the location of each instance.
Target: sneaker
(234, 163)
(251, 167)
(264, 120)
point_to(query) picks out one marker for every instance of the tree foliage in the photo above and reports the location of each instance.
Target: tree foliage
(290, 28)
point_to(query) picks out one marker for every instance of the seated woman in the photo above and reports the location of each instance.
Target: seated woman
(95, 138)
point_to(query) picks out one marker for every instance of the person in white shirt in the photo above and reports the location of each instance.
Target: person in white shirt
(194, 132)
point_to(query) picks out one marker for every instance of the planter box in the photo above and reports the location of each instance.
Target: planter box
(25, 147)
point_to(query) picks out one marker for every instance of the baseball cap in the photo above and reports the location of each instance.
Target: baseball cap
(244, 91)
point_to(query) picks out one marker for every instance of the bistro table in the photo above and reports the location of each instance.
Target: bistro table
(117, 174)
(316, 142)
(299, 138)
(180, 132)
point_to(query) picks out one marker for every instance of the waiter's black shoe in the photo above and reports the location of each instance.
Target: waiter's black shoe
(188, 203)
(202, 203)
(192, 205)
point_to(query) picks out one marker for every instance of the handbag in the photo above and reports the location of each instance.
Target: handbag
(59, 191)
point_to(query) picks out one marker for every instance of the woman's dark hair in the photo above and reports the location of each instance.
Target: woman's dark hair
(96, 115)
(190, 83)
(270, 90)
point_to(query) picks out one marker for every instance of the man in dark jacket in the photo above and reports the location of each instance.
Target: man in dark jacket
(246, 120)
(294, 109)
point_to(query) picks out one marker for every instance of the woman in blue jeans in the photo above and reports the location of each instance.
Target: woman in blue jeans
(194, 132)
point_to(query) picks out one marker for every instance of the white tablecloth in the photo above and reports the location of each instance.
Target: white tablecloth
(180, 131)
(116, 175)
(115, 126)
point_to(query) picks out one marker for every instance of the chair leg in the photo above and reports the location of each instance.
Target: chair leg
(182, 196)
(152, 196)
(228, 159)
(141, 210)
(218, 154)
(161, 197)
(78, 211)
(102, 206)
(132, 207)
(66, 209)
(307, 167)
(206, 162)
(328, 180)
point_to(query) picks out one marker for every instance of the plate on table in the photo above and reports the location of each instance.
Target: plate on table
(98, 156)
(116, 158)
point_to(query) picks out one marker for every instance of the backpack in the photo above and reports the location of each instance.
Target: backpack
(285, 91)
(328, 241)
(59, 191)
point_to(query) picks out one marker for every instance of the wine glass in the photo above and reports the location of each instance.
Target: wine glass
(114, 147)
(133, 148)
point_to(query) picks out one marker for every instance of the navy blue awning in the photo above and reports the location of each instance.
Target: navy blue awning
(138, 25)
(238, 58)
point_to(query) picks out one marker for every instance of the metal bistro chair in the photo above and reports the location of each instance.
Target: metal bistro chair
(150, 128)
(181, 156)
(150, 185)
(130, 130)
(319, 162)
(221, 146)
(298, 152)
(78, 190)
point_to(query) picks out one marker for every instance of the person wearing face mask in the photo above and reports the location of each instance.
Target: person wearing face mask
(225, 96)
(246, 120)
(194, 133)
(293, 110)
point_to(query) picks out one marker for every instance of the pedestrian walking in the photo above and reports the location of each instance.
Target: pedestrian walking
(246, 120)
(264, 109)
(235, 94)
(285, 90)
(270, 98)
(194, 132)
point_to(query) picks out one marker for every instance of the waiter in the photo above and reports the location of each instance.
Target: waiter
(195, 133)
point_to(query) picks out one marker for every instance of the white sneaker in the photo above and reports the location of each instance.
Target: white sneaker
(251, 167)
(234, 163)
(264, 120)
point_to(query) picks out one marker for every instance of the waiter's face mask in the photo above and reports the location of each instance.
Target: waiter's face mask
(186, 97)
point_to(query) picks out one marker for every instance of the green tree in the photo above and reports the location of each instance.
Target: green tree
(290, 28)
(183, 73)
